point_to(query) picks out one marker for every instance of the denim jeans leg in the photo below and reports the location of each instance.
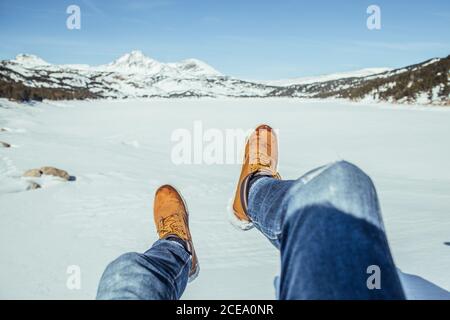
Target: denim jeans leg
(160, 273)
(330, 233)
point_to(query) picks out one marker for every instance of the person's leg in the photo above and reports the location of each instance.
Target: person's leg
(163, 271)
(160, 273)
(328, 227)
(266, 207)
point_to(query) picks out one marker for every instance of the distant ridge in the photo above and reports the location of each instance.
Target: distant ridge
(135, 75)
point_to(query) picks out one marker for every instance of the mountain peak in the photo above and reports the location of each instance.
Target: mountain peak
(137, 62)
(30, 60)
(135, 55)
(134, 61)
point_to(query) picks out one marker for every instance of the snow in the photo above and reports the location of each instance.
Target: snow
(137, 62)
(135, 75)
(120, 152)
(328, 77)
(431, 62)
(133, 63)
(30, 60)
(195, 67)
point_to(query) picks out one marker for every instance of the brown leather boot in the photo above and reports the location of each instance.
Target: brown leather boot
(172, 220)
(261, 158)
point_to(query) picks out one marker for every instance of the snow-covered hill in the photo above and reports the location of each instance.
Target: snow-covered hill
(135, 75)
(136, 62)
(425, 83)
(327, 77)
(132, 75)
(30, 60)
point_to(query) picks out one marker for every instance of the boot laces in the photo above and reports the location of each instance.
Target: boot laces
(172, 224)
(262, 159)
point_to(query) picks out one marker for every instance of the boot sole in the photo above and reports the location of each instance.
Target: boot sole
(235, 221)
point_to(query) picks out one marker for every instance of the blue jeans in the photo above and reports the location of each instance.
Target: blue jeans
(160, 273)
(327, 226)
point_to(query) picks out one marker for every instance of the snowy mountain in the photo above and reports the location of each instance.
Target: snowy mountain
(136, 62)
(328, 77)
(131, 75)
(195, 67)
(425, 83)
(30, 60)
(135, 75)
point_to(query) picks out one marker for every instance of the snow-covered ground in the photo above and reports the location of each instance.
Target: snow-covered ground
(120, 152)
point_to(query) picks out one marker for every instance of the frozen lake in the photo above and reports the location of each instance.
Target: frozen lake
(120, 152)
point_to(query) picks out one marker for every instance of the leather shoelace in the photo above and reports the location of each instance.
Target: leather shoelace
(262, 160)
(172, 225)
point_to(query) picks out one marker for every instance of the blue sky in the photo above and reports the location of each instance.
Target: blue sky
(251, 39)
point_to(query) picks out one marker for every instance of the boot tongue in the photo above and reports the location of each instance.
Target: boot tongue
(264, 160)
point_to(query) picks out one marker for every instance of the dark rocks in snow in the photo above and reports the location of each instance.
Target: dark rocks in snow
(4, 145)
(33, 185)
